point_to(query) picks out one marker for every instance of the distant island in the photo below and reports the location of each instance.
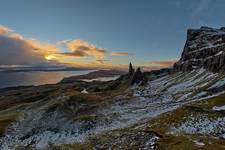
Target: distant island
(94, 75)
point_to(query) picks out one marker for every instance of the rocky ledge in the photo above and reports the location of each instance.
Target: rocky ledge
(204, 47)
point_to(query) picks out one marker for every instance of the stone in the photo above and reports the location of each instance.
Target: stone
(204, 48)
(131, 70)
(137, 77)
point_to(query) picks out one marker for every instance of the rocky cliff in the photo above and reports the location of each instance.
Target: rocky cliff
(204, 47)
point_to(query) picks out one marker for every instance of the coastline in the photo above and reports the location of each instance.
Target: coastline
(88, 76)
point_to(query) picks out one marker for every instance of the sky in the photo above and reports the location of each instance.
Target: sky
(101, 33)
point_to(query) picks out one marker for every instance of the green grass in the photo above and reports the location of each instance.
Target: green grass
(95, 99)
(215, 101)
(162, 125)
(182, 141)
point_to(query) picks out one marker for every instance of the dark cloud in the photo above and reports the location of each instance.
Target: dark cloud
(75, 54)
(82, 48)
(14, 50)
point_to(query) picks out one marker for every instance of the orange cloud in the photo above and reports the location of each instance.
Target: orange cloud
(162, 63)
(42, 47)
(17, 50)
(103, 60)
(120, 54)
(82, 48)
(4, 30)
(16, 36)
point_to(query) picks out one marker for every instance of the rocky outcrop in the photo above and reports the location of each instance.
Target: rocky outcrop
(137, 77)
(131, 70)
(204, 48)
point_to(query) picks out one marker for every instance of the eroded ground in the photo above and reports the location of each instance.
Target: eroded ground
(165, 113)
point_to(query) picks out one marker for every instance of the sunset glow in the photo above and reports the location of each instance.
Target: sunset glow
(112, 74)
(111, 40)
(50, 57)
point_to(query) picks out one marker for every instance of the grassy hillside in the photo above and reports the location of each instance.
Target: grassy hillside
(164, 113)
(137, 136)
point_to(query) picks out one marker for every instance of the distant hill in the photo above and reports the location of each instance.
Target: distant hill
(93, 75)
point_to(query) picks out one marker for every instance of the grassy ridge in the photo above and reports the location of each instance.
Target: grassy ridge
(163, 124)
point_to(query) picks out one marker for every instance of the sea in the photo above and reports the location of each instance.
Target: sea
(11, 79)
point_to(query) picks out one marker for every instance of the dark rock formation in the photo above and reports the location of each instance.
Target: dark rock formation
(131, 70)
(137, 77)
(204, 48)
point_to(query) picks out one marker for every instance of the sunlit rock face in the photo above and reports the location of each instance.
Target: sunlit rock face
(204, 47)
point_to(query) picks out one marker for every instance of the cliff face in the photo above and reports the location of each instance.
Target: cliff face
(204, 47)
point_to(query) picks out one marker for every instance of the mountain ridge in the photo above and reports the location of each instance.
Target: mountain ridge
(204, 47)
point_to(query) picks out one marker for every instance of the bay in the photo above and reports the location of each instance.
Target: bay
(10, 79)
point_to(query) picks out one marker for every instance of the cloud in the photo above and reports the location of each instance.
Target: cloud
(102, 61)
(162, 63)
(42, 47)
(4, 30)
(17, 50)
(62, 42)
(75, 54)
(82, 48)
(120, 54)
